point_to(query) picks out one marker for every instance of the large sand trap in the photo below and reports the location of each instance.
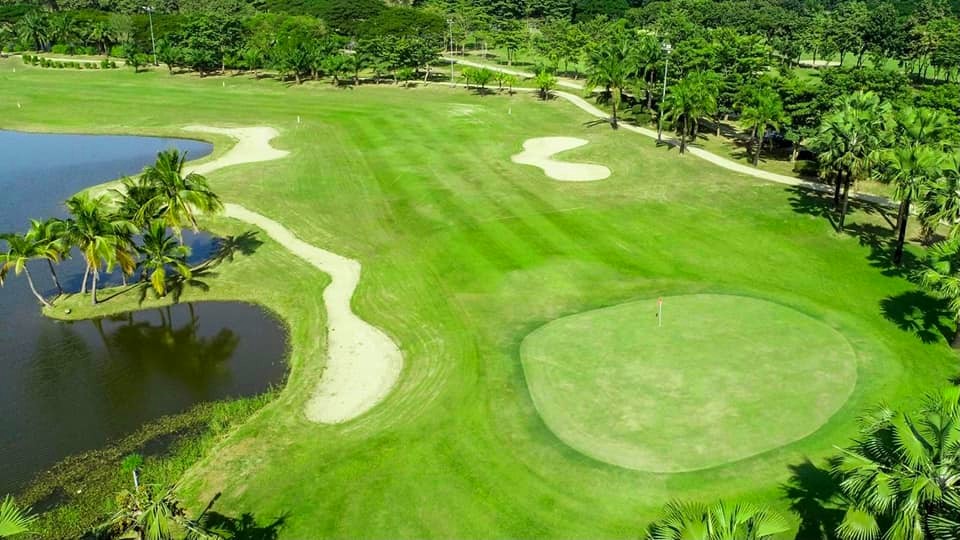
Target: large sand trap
(538, 152)
(363, 363)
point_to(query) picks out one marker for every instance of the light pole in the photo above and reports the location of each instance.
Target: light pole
(153, 41)
(450, 49)
(666, 64)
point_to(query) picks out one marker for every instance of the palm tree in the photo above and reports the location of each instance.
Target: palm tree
(131, 199)
(32, 28)
(687, 102)
(102, 34)
(545, 82)
(20, 250)
(849, 142)
(720, 521)
(911, 169)
(61, 28)
(901, 469)
(763, 109)
(178, 197)
(160, 251)
(941, 277)
(941, 202)
(612, 66)
(102, 237)
(151, 513)
(49, 235)
(13, 519)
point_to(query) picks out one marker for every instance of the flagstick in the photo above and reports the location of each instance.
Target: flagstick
(659, 315)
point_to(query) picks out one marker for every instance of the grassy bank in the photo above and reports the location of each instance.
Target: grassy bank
(465, 253)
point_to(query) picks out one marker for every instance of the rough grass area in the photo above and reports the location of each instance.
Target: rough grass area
(725, 377)
(464, 254)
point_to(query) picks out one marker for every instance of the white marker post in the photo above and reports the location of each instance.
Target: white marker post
(659, 312)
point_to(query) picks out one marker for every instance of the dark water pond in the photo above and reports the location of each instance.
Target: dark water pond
(71, 387)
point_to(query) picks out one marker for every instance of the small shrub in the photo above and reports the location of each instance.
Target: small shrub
(113, 65)
(61, 48)
(118, 51)
(27, 59)
(807, 168)
(105, 64)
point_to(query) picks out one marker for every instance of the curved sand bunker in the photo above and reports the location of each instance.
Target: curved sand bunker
(363, 363)
(538, 152)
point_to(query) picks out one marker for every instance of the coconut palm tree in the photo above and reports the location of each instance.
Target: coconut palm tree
(152, 513)
(179, 197)
(102, 34)
(132, 197)
(21, 249)
(159, 252)
(763, 109)
(901, 470)
(49, 234)
(13, 519)
(912, 170)
(103, 238)
(33, 28)
(612, 66)
(719, 521)
(688, 101)
(941, 277)
(849, 142)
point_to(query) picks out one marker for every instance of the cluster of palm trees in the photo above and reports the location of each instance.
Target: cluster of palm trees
(128, 228)
(38, 30)
(864, 137)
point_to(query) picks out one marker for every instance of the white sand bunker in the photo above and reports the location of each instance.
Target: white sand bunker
(363, 363)
(538, 152)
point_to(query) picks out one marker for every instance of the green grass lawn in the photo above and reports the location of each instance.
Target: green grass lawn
(464, 255)
(702, 390)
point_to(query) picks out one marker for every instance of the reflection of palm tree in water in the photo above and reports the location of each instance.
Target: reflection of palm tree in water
(180, 353)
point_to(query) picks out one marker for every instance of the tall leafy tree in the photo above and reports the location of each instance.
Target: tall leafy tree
(52, 246)
(688, 100)
(612, 65)
(941, 276)
(179, 197)
(160, 253)
(762, 109)
(102, 237)
(911, 170)
(849, 142)
(21, 249)
(33, 28)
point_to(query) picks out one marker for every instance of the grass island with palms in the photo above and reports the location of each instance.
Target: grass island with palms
(464, 255)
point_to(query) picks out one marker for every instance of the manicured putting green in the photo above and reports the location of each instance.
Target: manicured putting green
(724, 378)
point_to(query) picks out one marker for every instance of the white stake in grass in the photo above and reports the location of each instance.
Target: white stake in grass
(659, 312)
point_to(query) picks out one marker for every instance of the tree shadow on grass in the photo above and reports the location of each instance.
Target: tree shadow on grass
(816, 203)
(880, 240)
(920, 313)
(814, 495)
(245, 527)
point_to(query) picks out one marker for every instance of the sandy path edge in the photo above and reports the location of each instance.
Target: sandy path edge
(363, 363)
